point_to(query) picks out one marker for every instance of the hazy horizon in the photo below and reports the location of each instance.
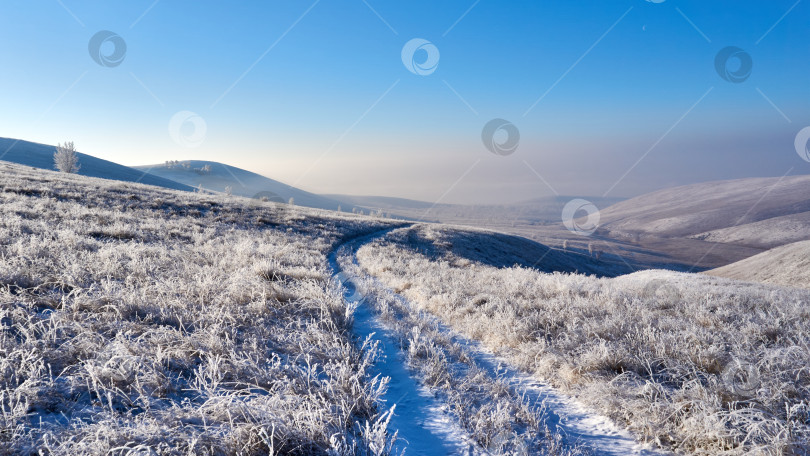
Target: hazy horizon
(609, 99)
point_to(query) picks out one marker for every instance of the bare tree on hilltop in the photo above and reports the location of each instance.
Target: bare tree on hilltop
(66, 159)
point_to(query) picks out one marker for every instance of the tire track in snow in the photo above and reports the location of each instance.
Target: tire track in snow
(429, 431)
(424, 429)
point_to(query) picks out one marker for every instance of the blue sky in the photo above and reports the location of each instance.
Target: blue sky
(616, 97)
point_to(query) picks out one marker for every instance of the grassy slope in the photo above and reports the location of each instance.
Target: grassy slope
(699, 208)
(712, 224)
(695, 363)
(242, 183)
(504, 250)
(133, 318)
(769, 233)
(787, 265)
(41, 156)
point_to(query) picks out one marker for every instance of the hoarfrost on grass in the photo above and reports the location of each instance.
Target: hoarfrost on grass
(137, 320)
(691, 363)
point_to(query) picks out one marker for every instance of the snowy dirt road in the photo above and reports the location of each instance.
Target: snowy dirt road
(423, 418)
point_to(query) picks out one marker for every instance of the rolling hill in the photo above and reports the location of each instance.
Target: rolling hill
(713, 224)
(699, 209)
(155, 304)
(383, 202)
(537, 210)
(767, 233)
(787, 265)
(696, 227)
(440, 242)
(217, 176)
(41, 156)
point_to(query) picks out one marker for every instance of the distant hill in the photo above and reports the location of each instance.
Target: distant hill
(448, 242)
(382, 202)
(699, 209)
(767, 233)
(217, 176)
(538, 210)
(713, 224)
(41, 156)
(786, 265)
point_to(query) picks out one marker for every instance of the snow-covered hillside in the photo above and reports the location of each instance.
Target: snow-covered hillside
(709, 225)
(41, 156)
(383, 202)
(767, 233)
(693, 363)
(701, 208)
(453, 242)
(787, 265)
(217, 176)
(140, 320)
(528, 213)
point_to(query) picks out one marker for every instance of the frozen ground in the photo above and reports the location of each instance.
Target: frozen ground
(694, 364)
(143, 321)
(562, 426)
(769, 233)
(135, 320)
(422, 427)
(787, 265)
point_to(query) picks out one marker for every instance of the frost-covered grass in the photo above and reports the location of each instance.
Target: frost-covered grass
(696, 364)
(142, 321)
(498, 418)
(788, 265)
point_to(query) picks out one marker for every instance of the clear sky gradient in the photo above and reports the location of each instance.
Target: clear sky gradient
(616, 97)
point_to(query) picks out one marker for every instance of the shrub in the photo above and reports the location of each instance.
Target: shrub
(65, 158)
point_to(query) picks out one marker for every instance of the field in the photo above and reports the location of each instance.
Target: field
(691, 363)
(140, 321)
(137, 320)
